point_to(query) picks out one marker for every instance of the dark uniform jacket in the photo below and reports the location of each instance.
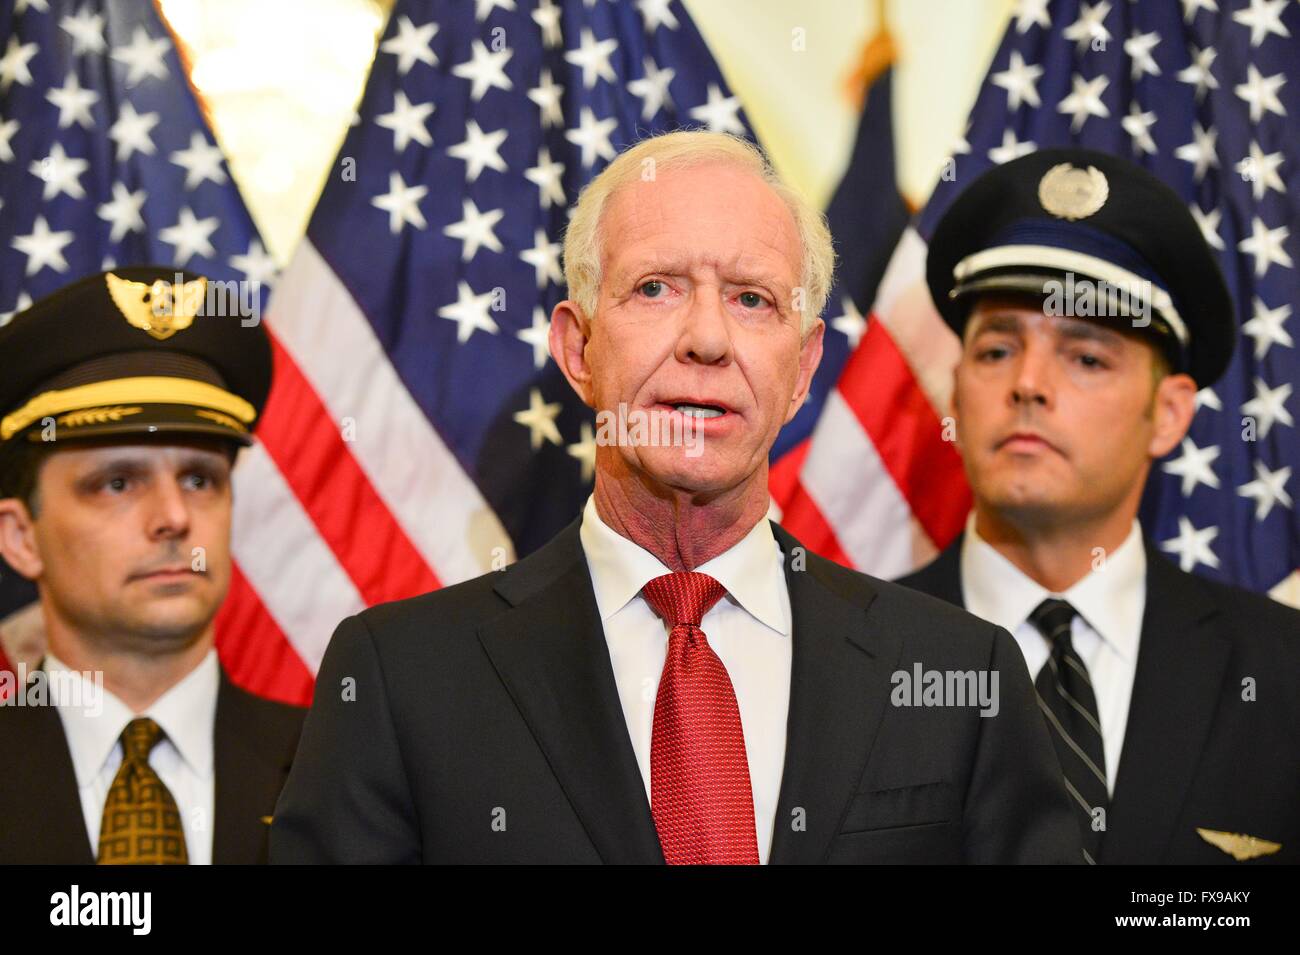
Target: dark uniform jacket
(41, 819)
(1198, 753)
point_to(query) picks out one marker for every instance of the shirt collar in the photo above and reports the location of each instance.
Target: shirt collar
(186, 713)
(752, 570)
(1111, 598)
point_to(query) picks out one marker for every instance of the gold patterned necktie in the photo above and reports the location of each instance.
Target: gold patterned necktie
(141, 824)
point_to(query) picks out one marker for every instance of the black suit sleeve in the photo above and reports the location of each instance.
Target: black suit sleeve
(347, 799)
(1017, 807)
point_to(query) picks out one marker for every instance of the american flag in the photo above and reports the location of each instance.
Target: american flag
(105, 154)
(418, 433)
(105, 159)
(867, 215)
(1198, 92)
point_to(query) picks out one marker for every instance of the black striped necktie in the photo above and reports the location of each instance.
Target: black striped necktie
(1065, 696)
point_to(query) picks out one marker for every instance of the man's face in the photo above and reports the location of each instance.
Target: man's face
(1058, 418)
(131, 545)
(696, 307)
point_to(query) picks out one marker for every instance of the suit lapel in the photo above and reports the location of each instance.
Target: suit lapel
(549, 650)
(249, 767)
(836, 655)
(1180, 669)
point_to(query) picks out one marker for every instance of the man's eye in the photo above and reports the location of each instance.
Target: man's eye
(117, 484)
(752, 300)
(1091, 361)
(991, 354)
(197, 481)
(652, 288)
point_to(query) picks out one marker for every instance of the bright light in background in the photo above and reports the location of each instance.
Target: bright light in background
(280, 81)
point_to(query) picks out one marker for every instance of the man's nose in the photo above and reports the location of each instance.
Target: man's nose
(1033, 375)
(705, 336)
(168, 513)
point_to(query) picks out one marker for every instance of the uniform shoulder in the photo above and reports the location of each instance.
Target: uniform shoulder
(1254, 616)
(1252, 622)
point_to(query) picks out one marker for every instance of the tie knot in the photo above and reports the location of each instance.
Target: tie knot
(139, 738)
(1053, 617)
(683, 597)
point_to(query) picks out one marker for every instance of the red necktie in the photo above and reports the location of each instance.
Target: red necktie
(700, 796)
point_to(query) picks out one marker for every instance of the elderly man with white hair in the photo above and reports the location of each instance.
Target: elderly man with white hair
(673, 678)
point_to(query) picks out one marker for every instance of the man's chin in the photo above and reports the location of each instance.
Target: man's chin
(694, 475)
(167, 625)
(1033, 504)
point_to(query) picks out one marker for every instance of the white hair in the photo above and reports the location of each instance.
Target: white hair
(677, 150)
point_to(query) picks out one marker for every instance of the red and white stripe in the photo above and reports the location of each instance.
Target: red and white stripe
(877, 486)
(349, 497)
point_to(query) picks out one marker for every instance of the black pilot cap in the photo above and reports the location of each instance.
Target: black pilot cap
(1063, 215)
(145, 350)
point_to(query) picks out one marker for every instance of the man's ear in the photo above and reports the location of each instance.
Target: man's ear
(810, 356)
(1173, 406)
(570, 332)
(18, 539)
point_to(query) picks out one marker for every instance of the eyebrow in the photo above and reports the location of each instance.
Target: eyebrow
(129, 464)
(1089, 331)
(680, 266)
(1071, 329)
(135, 466)
(997, 322)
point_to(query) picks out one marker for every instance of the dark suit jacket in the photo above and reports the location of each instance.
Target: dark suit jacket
(40, 810)
(1195, 754)
(482, 723)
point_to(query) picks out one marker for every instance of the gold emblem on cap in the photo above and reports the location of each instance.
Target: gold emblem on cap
(159, 308)
(1069, 192)
(1239, 846)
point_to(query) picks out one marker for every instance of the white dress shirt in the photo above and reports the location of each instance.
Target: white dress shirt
(749, 630)
(183, 760)
(1105, 632)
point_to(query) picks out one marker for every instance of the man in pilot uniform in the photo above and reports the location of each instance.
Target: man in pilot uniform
(123, 404)
(1171, 699)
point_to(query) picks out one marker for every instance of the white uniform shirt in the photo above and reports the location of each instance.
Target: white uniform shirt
(183, 760)
(1107, 627)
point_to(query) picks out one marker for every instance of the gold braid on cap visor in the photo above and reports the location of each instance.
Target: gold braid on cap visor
(144, 390)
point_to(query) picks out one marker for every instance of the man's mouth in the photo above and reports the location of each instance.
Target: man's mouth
(1025, 441)
(163, 573)
(696, 408)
